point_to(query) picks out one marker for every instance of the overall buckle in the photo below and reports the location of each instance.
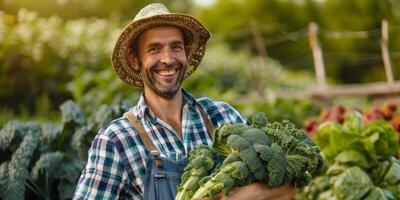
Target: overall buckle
(156, 156)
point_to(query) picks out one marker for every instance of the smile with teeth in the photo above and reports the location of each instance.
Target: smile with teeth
(169, 72)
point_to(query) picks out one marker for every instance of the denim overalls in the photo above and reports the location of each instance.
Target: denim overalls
(162, 175)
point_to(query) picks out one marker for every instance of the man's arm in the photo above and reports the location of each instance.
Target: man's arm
(104, 174)
(259, 191)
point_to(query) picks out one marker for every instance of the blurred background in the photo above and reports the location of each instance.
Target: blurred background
(282, 57)
(60, 50)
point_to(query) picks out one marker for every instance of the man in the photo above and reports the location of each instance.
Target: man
(142, 155)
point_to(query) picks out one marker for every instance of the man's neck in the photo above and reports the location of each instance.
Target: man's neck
(168, 110)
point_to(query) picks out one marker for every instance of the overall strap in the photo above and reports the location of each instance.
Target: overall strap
(142, 133)
(207, 121)
(146, 139)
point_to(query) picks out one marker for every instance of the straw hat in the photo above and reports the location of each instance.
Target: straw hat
(150, 16)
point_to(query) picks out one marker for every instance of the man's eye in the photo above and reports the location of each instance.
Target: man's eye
(177, 47)
(154, 49)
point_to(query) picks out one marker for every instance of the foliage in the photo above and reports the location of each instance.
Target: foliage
(361, 161)
(38, 56)
(79, 49)
(353, 183)
(46, 60)
(72, 9)
(272, 86)
(274, 153)
(350, 57)
(18, 173)
(294, 109)
(232, 74)
(201, 161)
(93, 89)
(40, 159)
(338, 112)
(46, 163)
(376, 140)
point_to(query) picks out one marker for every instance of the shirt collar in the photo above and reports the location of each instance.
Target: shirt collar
(141, 108)
(189, 99)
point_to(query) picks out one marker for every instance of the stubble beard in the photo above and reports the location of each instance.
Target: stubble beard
(151, 82)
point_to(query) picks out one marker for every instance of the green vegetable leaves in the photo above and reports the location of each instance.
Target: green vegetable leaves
(375, 140)
(353, 183)
(201, 161)
(361, 158)
(274, 153)
(353, 122)
(381, 139)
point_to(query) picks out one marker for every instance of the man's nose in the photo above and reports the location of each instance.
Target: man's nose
(167, 57)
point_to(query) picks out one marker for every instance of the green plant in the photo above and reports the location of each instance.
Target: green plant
(40, 159)
(338, 112)
(278, 109)
(201, 161)
(273, 153)
(39, 56)
(361, 162)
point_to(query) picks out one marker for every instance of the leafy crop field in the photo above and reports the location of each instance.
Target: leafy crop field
(44, 160)
(58, 89)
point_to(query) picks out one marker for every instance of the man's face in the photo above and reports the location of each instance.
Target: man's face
(162, 60)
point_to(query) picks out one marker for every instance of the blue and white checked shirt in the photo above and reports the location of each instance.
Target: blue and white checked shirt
(116, 160)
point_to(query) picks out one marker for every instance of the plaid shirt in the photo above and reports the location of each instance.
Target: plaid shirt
(116, 160)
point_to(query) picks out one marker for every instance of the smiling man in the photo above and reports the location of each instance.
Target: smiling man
(162, 60)
(142, 154)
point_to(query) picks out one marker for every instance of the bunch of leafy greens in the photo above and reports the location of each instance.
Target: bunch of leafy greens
(274, 153)
(361, 162)
(44, 161)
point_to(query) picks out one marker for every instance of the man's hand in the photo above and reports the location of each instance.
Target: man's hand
(258, 191)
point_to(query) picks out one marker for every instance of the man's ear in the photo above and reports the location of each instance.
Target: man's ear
(133, 60)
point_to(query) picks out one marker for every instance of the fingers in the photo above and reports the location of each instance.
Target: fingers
(257, 191)
(219, 196)
(286, 192)
(205, 198)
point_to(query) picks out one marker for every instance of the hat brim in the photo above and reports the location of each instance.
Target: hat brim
(198, 36)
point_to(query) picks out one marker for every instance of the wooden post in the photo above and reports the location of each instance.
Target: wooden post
(317, 54)
(385, 52)
(258, 39)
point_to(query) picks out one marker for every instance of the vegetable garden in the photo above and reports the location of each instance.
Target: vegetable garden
(44, 160)
(58, 90)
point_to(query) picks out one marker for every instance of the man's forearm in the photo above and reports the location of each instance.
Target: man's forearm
(259, 191)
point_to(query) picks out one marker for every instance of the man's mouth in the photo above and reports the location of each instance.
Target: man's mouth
(169, 72)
